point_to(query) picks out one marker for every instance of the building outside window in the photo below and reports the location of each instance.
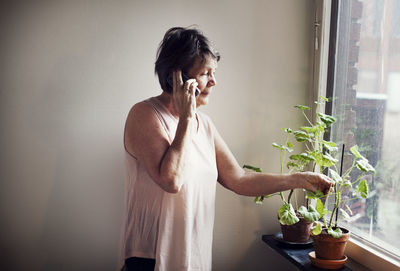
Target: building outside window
(366, 101)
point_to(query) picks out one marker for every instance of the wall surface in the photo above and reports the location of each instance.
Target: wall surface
(71, 70)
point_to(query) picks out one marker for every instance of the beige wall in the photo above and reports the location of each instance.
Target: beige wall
(71, 70)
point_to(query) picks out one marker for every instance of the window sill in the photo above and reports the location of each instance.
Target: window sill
(370, 257)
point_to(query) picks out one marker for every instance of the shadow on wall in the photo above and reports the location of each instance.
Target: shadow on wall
(258, 254)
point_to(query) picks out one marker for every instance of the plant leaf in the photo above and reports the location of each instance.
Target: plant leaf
(317, 228)
(310, 215)
(314, 195)
(335, 233)
(287, 215)
(349, 210)
(308, 129)
(302, 157)
(329, 145)
(328, 160)
(346, 182)
(321, 126)
(287, 130)
(282, 147)
(276, 145)
(256, 169)
(319, 206)
(292, 164)
(361, 189)
(259, 199)
(302, 136)
(327, 119)
(355, 152)
(344, 214)
(365, 166)
(288, 149)
(335, 176)
(324, 98)
(302, 107)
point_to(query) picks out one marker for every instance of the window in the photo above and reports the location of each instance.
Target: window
(366, 101)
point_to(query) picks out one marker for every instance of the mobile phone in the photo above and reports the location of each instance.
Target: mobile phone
(184, 79)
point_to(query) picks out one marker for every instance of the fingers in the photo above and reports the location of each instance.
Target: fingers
(317, 181)
(326, 190)
(184, 95)
(328, 184)
(187, 87)
(190, 86)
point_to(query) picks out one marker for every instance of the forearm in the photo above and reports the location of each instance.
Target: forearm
(257, 184)
(174, 163)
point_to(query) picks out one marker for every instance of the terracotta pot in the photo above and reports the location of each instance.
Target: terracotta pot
(328, 247)
(297, 233)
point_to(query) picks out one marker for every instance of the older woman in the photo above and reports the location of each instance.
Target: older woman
(174, 158)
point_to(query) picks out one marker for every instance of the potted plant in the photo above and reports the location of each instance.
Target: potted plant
(330, 239)
(319, 156)
(295, 223)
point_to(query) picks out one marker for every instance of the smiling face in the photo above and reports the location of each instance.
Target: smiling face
(203, 70)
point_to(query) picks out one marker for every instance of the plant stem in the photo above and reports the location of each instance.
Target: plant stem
(336, 206)
(326, 207)
(350, 169)
(282, 158)
(340, 174)
(359, 177)
(307, 118)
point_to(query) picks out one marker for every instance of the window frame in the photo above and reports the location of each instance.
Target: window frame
(324, 65)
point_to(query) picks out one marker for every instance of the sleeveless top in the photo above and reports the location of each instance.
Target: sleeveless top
(174, 229)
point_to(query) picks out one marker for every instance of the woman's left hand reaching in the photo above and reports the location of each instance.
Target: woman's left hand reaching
(315, 181)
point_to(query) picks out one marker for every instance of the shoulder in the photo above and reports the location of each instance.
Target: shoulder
(141, 122)
(142, 116)
(140, 109)
(141, 113)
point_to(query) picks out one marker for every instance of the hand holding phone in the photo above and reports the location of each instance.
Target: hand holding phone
(184, 79)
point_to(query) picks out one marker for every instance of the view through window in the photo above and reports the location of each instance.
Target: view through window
(366, 102)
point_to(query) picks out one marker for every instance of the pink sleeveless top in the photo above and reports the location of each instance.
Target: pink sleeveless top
(174, 229)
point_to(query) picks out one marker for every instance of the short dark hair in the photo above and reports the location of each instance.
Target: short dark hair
(179, 49)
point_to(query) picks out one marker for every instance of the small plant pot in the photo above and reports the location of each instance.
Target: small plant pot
(297, 233)
(328, 247)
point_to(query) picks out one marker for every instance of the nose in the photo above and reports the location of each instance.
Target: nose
(212, 81)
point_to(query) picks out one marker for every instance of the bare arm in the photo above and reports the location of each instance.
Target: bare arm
(235, 178)
(147, 140)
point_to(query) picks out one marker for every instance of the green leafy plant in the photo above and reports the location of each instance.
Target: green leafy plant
(319, 156)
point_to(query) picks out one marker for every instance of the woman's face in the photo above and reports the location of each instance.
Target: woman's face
(203, 70)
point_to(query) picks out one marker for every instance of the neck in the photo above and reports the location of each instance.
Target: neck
(167, 100)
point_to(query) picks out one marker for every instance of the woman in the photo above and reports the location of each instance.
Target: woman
(175, 156)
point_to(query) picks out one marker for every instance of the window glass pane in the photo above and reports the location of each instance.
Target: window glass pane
(367, 104)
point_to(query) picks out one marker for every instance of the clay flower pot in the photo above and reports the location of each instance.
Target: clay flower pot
(297, 233)
(328, 247)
